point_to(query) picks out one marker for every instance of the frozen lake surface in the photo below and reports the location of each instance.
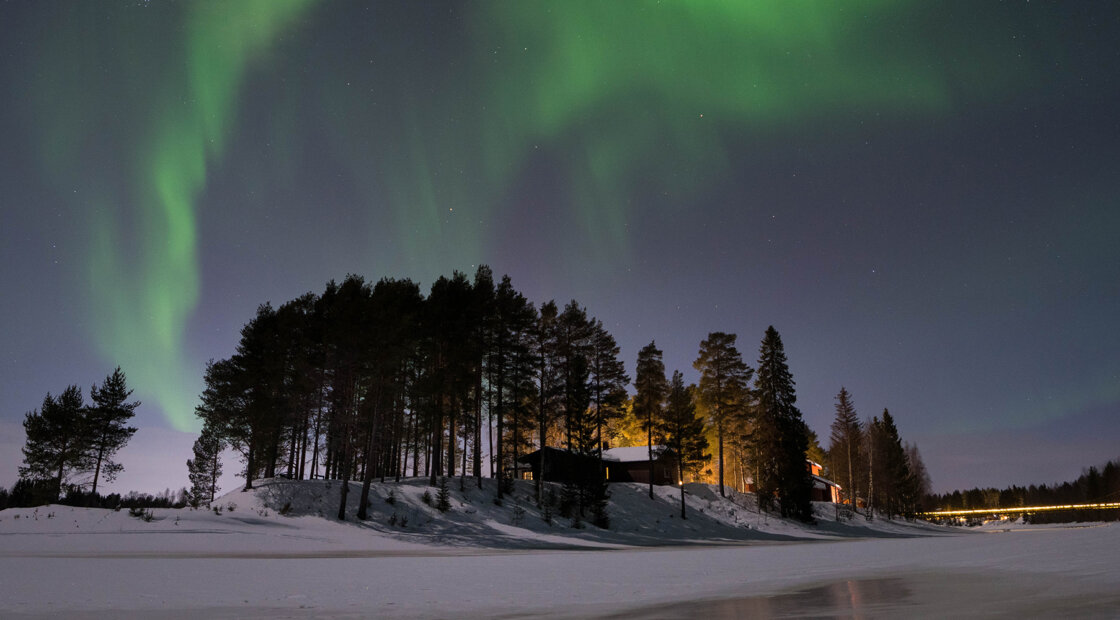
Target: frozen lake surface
(992, 594)
(253, 563)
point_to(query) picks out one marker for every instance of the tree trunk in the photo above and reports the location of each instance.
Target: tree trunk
(344, 491)
(719, 426)
(367, 478)
(97, 468)
(249, 465)
(478, 429)
(497, 451)
(452, 440)
(680, 471)
(649, 445)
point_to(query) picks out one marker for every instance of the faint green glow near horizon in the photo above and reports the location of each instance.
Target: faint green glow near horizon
(142, 303)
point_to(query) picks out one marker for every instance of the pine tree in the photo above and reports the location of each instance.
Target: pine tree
(782, 437)
(651, 387)
(105, 424)
(511, 370)
(57, 443)
(844, 449)
(205, 468)
(682, 431)
(545, 344)
(608, 381)
(723, 385)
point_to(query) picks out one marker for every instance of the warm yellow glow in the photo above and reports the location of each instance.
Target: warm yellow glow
(1019, 509)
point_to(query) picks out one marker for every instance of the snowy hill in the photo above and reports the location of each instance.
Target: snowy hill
(399, 511)
(292, 518)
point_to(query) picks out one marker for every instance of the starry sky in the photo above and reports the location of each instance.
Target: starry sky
(923, 198)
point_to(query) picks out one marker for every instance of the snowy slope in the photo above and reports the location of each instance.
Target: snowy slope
(475, 519)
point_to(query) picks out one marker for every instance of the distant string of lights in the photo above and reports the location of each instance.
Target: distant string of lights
(1019, 510)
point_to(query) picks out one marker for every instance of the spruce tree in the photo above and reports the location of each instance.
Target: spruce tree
(782, 437)
(651, 388)
(57, 443)
(106, 425)
(844, 449)
(723, 386)
(682, 431)
(896, 485)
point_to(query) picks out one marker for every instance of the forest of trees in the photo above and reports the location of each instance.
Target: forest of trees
(365, 382)
(375, 381)
(872, 465)
(1093, 486)
(70, 445)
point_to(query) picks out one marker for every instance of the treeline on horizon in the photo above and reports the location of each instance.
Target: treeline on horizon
(365, 382)
(1093, 486)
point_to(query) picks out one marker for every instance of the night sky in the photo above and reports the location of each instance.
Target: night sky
(923, 198)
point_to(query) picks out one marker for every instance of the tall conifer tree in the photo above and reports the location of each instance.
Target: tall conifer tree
(844, 448)
(723, 385)
(782, 437)
(682, 431)
(106, 425)
(205, 468)
(652, 388)
(57, 445)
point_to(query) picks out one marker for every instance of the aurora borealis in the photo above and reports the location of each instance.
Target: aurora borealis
(921, 198)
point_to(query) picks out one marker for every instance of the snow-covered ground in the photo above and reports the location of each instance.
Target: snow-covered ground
(275, 552)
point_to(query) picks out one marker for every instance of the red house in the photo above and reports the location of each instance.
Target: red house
(824, 490)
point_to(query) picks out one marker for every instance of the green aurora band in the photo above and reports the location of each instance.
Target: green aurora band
(144, 289)
(614, 92)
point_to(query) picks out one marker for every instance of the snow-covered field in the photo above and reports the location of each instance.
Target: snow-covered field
(483, 560)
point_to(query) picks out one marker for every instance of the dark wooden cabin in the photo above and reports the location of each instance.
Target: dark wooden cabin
(619, 465)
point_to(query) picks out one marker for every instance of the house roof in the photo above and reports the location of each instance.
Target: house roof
(631, 454)
(824, 481)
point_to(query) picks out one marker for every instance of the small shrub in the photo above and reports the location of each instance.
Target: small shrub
(393, 519)
(392, 499)
(569, 500)
(231, 506)
(404, 521)
(217, 510)
(443, 497)
(143, 514)
(517, 516)
(286, 509)
(547, 502)
(426, 498)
